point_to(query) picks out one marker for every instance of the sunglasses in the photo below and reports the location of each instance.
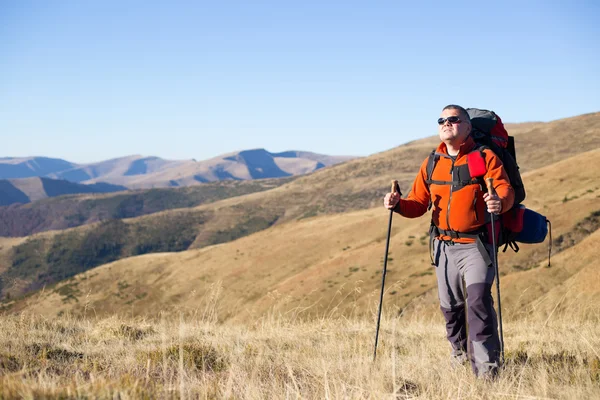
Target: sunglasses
(453, 120)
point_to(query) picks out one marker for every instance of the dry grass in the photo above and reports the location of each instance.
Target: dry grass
(296, 318)
(278, 356)
(6, 246)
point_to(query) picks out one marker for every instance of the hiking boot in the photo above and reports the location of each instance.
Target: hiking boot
(458, 359)
(488, 372)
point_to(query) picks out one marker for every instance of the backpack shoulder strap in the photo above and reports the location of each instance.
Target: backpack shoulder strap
(480, 147)
(431, 162)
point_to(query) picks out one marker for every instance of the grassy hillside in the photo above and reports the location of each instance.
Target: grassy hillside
(28, 190)
(544, 144)
(53, 256)
(208, 224)
(71, 211)
(322, 263)
(287, 300)
(356, 185)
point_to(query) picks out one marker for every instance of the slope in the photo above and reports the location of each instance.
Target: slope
(72, 211)
(27, 190)
(27, 167)
(320, 265)
(357, 184)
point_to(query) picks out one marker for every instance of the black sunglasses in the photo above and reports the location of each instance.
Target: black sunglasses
(453, 120)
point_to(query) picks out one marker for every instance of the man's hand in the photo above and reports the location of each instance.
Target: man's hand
(390, 200)
(494, 205)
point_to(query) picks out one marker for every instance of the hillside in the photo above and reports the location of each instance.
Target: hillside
(54, 256)
(28, 190)
(27, 167)
(334, 263)
(359, 183)
(72, 211)
(355, 185)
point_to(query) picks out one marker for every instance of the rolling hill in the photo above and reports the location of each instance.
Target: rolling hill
(72, 211)
(335, 261)
(27, 190)
(27, 167)
(307, 243)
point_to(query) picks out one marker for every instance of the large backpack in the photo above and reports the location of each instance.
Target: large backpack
(488, 131)
(518, 224)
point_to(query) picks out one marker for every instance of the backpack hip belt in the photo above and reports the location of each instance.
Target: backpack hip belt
(479, 235)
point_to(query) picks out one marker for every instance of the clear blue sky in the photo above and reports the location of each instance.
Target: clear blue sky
(92, 80)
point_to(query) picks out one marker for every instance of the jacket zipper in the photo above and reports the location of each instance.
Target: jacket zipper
(450, 198)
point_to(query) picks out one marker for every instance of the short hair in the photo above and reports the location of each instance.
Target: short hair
(463, 113)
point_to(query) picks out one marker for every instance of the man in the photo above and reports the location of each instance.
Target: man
(460, 245)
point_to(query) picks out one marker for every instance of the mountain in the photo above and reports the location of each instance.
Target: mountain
(112, 170)
(28, 190)
(139, 172)
(327, 223)
(27, 167)
(242, 165)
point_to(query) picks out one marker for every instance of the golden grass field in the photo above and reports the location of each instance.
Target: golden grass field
(284, 356)
(290, 311)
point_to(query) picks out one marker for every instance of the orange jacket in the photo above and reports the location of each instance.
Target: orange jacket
(456, 209)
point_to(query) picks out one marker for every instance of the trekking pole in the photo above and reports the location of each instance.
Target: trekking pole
(395, 189)
(492, 191)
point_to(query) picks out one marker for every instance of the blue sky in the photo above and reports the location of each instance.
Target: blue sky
(93, 80)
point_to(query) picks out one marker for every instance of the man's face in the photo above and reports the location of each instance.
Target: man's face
(453, 132)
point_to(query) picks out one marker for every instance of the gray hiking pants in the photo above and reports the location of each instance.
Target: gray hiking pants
(455, 262)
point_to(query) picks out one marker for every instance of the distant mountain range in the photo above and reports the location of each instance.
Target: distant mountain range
(20, 177)
(27, 190)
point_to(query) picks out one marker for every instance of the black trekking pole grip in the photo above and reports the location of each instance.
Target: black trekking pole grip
(492, 191)
(395, 189)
